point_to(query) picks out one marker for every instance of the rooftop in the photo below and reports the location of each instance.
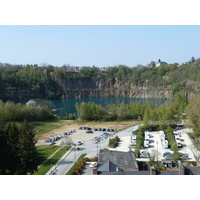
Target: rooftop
(116, 159)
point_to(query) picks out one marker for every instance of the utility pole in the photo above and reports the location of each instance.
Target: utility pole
(97, 147)
(157, 152)
(74, 155)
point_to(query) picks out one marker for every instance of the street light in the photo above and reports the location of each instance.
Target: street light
(157, 151)
(75, 155)
(97, 147)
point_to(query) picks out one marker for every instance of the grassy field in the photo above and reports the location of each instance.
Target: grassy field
(44, 152)
(45, 130)
(75, 164)
(41, 128)
(53, 160)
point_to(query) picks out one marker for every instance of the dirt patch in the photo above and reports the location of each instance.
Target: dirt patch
(80, 134)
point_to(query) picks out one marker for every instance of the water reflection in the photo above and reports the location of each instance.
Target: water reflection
(67, 106)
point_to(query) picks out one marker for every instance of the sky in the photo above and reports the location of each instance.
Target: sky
(99, 45)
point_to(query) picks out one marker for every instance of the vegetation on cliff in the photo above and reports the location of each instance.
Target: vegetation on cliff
(49, 82)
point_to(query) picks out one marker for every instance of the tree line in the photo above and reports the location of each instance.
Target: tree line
(50, 82)
(137, 111)
(32, 111)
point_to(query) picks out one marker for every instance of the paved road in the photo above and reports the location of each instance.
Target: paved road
(90, 148)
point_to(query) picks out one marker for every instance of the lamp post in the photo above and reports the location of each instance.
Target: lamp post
(75, 155)
(157, 151)
(97, 147)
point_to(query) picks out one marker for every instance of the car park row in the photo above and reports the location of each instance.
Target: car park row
(163, 139)
(102, 136)
(146, 139)
(97, 129)
(57, 137)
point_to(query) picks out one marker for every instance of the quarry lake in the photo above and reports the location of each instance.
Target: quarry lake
(63, 107)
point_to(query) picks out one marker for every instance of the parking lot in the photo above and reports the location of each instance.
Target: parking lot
(156, 144)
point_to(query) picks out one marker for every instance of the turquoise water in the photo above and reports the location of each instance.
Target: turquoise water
(67, 106)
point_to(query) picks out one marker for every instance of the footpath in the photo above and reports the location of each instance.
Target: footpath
(53, 168)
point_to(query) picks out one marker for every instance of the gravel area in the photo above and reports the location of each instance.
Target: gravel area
(81, 135)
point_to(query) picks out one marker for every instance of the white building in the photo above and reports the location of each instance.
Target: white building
(160, 63)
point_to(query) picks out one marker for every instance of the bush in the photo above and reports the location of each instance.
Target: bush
(70, 117)
(113, 143)
(170, 137)
(194, 163)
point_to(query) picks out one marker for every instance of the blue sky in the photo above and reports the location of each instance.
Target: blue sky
(84, 45)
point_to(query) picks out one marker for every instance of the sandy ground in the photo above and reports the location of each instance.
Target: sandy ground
(80, 135)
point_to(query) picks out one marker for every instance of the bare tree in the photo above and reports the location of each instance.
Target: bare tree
(67, 141)
(196, 153)
(153, 156)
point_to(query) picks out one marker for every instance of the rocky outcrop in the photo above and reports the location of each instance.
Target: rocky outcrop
(89, 88)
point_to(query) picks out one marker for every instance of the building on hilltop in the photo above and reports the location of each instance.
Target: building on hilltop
(73, 69)
(160, 63)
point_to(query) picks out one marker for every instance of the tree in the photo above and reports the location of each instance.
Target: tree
(192, 59)
(193, 114)
(153, 156)
(196, 153)
(27, 150)
(17, 150)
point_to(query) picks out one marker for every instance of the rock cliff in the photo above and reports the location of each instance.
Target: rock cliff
(89, 88)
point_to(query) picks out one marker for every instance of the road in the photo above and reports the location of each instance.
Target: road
(88, 147)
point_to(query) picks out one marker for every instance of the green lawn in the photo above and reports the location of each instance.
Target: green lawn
(44, 152)
(74, 165)
(41, 128)
(53, 160)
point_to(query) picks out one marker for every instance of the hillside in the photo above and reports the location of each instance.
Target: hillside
(21, 83)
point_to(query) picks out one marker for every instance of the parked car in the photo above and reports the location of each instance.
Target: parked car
(144, 155)
(179, 145)
(89, 131)
(179, 127)
(183, 157)
(79, 143)
(168, 157)
(167, 153)
(134, 136)
(132, 145)
(130, 151)
(95, 129)
(146, 143)
(191, 139)
(92, 164)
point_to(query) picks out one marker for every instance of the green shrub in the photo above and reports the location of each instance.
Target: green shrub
(113, 143)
